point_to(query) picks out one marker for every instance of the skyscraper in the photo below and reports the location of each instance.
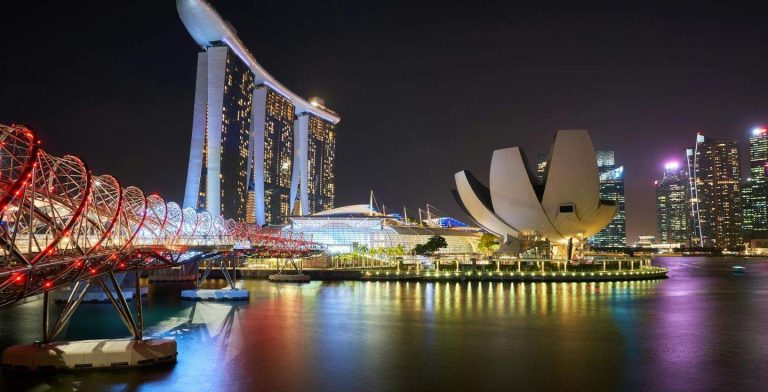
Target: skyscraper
(541, 167)
(611, 188)
(274, 160)
(321, 157)
(257, 148)
(755, 190)
(672, 209)
(715, 180)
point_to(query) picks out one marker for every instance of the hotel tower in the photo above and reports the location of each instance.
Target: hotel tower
(259, 152)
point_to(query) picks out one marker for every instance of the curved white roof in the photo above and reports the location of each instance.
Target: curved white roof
(353, 210)
(205, 25)
(569, 206)
(514, 199)
(474, 199)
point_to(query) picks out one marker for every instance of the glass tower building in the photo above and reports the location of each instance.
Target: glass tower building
(672, 210)
(611, 188)
(250, 156)
(274, 159)
(715, 181)
(755, 190)
(541, 167)
(322, 156)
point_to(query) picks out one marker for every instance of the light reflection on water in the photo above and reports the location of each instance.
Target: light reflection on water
(684, 333)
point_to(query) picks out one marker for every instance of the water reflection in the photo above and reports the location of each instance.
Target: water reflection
(676, 334)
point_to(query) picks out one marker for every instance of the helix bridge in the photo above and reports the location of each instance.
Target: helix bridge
(60, 225)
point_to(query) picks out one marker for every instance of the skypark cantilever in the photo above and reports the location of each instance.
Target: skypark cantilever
(207, 27)
(259, 139)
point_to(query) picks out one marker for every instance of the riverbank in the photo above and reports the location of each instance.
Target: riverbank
(507, 276)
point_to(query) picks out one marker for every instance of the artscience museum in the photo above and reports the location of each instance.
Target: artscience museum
(563, 209)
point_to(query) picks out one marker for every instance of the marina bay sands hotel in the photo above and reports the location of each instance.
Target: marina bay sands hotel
(259, 152)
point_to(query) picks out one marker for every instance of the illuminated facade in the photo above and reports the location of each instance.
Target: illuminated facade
(250, 213)
(715, 182)
(611, 188)
(274, 166)
(349, 228)
(672, 209)
(220, 138)
(321, 157)
(755, 190)
(250, 156)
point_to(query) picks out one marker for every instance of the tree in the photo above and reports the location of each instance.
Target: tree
(432, 245)
(436, 243)
(420, 249)
(489, 243)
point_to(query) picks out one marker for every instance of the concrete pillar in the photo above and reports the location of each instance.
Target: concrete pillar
(217, 64)
(198, 132)
(258, 119)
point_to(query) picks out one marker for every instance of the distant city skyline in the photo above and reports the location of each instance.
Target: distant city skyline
(712, 199)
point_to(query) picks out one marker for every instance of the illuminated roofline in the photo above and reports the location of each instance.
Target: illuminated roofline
(206, 26)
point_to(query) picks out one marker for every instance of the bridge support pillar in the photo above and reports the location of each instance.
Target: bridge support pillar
(110, 353)
(298, 277)
(233, 292)
(139, 313)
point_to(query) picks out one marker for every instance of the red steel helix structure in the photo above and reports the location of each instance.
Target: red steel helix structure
(59, 223)
(271, 242)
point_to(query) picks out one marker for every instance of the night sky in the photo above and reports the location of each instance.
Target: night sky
(424, 89)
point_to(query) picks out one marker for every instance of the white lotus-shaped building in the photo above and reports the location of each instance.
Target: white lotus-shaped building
(565, 206)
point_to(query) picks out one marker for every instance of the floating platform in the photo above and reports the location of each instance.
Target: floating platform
(291, 278)
(226, 294)
(98, 296)
(89, 354)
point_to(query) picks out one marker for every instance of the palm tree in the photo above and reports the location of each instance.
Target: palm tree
(489, 243)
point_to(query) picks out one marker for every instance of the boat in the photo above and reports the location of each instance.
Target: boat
(737, 269)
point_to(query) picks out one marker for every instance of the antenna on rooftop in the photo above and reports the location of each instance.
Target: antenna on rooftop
(370, 203)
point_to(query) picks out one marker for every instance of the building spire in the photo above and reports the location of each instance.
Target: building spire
(370, 203)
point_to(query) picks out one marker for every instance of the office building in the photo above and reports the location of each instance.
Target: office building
(755, 189)
(715, 193)
(611, 188)
(672, 209)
